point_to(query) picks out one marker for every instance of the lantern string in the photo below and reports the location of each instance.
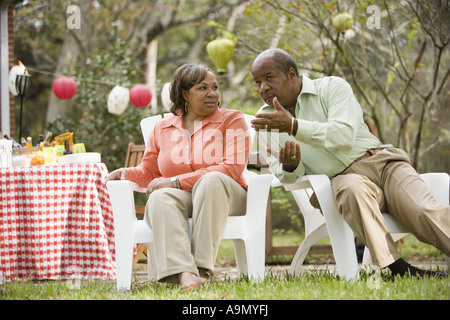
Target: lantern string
(53, 74)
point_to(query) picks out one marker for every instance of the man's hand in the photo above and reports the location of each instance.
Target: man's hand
(278, 120)
(289, 155)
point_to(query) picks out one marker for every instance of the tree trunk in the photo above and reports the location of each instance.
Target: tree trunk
(67, 59)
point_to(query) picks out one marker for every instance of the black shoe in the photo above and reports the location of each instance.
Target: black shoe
(431, 274)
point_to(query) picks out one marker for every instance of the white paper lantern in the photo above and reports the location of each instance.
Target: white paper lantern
(165, 96)
(16, 70)
(118, 100)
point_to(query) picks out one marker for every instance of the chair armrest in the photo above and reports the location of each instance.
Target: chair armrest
(315, 182)
(257, 197)
(122, 199)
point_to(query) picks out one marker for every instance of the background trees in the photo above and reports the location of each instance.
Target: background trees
(396, 58)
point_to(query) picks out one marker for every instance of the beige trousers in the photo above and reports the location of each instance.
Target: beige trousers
(386, 182)
(214, 197)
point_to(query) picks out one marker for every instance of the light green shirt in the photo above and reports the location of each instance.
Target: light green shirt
(331, 130)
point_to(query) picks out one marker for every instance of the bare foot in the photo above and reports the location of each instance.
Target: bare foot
(190, 281)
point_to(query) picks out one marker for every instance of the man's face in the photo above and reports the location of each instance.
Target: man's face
(274, 82)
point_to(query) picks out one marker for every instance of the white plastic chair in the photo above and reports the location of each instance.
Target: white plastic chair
(438, 184)
(246, 231)
(318, 226)
(332, 223)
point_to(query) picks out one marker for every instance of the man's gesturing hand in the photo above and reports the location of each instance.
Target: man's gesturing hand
(278, 120)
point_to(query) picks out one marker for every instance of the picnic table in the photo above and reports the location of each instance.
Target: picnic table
(56, 222)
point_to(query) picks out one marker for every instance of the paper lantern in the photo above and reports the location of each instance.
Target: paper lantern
(118, 100)
(64, 88)
(342, 22)
(165, 96)
(140, 96)
(220, 51)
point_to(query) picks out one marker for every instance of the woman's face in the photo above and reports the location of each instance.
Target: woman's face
(203, 98)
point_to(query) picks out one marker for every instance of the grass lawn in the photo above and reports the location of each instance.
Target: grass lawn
(313, 285)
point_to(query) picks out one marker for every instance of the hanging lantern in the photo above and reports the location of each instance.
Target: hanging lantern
(64, 88)
(342, 22)
(165, 96)
(220, 51)
(140, 96)
(118, 100)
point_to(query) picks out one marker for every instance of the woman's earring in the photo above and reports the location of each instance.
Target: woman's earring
(186, 108)
(218, 104)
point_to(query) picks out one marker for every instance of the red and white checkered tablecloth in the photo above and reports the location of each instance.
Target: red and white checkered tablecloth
(56, 222)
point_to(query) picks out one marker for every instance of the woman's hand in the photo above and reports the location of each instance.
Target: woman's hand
(159, 183)
(118, 174)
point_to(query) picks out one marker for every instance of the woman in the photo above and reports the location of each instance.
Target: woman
(192, 167)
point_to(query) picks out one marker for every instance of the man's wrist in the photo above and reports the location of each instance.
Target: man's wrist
(289, 168)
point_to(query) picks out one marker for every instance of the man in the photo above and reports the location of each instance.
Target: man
(320, 130)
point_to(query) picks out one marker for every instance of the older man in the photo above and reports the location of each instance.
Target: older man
(320, 130)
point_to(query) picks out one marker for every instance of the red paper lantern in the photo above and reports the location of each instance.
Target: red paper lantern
(64, 87)
(140, 96)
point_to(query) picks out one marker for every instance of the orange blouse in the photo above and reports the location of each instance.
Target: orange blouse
(220, 143)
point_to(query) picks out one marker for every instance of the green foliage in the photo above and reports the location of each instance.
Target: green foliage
(285, 212)
(88, 116)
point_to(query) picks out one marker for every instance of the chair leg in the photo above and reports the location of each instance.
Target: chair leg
(124, 263)
(341, 236)
(256, 255)
(240, 255)
(310, 239)
(140, 250)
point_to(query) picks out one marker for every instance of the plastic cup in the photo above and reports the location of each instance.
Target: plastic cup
(79, 148)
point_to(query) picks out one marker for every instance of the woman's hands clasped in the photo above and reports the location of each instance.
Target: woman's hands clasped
(159, 183)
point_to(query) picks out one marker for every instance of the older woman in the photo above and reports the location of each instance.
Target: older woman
(192, 167)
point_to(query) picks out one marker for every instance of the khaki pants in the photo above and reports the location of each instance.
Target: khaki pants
(386, 182)
(214, 197)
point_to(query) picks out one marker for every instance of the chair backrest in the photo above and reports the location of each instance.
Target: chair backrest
(438, 184)
(134, 154)
(147, 125)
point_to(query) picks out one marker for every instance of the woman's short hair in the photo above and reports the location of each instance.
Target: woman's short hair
(184, 78)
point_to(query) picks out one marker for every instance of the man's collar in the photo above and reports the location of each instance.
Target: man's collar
(308, 85)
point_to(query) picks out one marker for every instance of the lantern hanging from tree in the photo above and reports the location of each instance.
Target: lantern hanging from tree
(342, 22)
(118, 100)
(64, 88)
(220, 51)
(140, 96)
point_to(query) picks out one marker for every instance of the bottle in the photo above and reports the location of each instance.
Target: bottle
(23, 142)
(40, 142)
(67, 147)
(29, 142)
(48, 139)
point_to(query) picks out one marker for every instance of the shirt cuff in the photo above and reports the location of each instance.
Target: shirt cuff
(304, 130)
(290, 177)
